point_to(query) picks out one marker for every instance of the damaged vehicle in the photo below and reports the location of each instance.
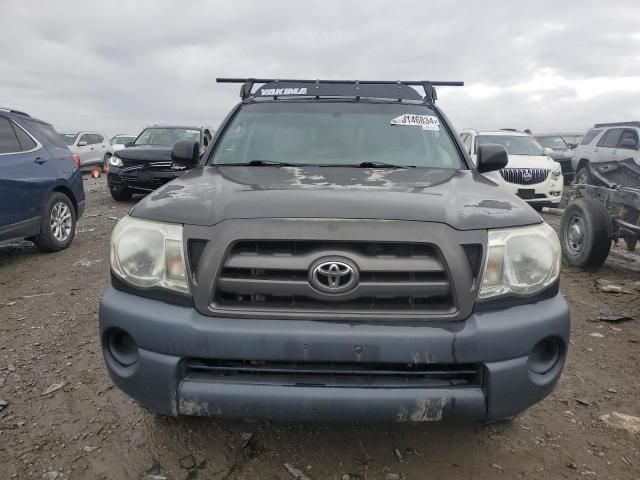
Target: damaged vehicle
(335, 255)
(604, 204)
(145, 164)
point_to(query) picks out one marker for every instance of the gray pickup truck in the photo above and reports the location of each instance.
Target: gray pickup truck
(335, 255)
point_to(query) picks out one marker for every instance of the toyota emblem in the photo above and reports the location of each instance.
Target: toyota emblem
(333, 276)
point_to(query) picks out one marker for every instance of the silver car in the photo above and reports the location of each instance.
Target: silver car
(93, 148)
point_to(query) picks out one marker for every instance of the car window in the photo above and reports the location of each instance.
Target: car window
(591, 134)
(121, 140)
(611, 138)
(93, 139)
(44, 130)
(629, 133)
(337, 133)
(8, 140)
(84, 138)
(555, 142)
(26, 142)
(166, 136)
(69, 138)
(514, 144)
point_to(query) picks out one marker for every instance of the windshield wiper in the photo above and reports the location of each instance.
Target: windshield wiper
(381, 165)
(260, 163)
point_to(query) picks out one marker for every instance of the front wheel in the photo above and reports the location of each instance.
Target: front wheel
(585, 233)
(58, 224)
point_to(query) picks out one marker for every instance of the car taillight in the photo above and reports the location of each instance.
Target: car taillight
(76, 159)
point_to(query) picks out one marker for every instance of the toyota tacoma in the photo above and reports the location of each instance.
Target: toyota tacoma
(335, 255)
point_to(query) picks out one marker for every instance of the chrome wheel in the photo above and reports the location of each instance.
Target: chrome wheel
(61, 221)
(574, 235)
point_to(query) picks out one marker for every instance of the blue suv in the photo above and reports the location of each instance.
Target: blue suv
(41, 190)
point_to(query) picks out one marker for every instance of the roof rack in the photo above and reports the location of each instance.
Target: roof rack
(398, 90)
(617, 124)
(11, 110)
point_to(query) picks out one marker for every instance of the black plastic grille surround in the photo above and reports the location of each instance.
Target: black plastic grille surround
(393, 277)
(335, 374)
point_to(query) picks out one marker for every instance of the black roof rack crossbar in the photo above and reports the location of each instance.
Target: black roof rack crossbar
(359, 90)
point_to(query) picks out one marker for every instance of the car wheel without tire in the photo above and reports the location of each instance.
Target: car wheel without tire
(585, 233)
(583, 175)
(121, 195)
(57, 225)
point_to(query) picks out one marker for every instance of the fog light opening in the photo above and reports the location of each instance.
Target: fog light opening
(122, 347)
(544, 355)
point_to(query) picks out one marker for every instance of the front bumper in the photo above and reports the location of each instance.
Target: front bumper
(547, 192)
(167, 335)
(143, 180)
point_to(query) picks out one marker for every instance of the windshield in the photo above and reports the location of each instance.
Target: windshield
(573, 139)
(556, 143)
(69, 138)
(337, 134)
(514, 144)
(121, 140)
(166, 136)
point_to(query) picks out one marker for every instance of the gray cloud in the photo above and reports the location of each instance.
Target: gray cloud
(117, 66)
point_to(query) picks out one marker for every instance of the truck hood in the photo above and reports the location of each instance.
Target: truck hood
(146, 154)
(462, 199)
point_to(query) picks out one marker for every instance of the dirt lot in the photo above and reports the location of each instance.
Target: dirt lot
(88, 429)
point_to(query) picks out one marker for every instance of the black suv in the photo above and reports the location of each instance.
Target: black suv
(335, 255)
(146, 162)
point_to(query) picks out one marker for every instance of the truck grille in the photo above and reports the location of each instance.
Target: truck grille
(335, 374)
(524, 176)
(275, 276)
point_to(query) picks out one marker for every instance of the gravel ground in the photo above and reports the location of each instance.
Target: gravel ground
(64, 419)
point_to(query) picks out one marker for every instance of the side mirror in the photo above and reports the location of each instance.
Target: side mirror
(186, 153)
(548, 151)
(82, 144)
(491, 157)
(128, 144)
(572, 146)
(629, 144)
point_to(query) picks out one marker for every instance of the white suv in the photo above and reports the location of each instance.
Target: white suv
(531, 173)
(606, 142)
(93, 148)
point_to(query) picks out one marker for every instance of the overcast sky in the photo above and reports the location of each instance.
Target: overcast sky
(117, 66)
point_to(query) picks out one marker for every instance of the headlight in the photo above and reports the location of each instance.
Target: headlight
(149, 254)
(115, 161)
(520, 261)
(556, 171)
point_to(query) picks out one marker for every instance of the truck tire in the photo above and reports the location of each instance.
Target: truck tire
(585, 233)
(121, 195)
(57, 224)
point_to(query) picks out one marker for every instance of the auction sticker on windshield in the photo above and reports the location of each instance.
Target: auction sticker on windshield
(427, 122)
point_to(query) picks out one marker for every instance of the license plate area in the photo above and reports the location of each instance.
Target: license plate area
(527, 193)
